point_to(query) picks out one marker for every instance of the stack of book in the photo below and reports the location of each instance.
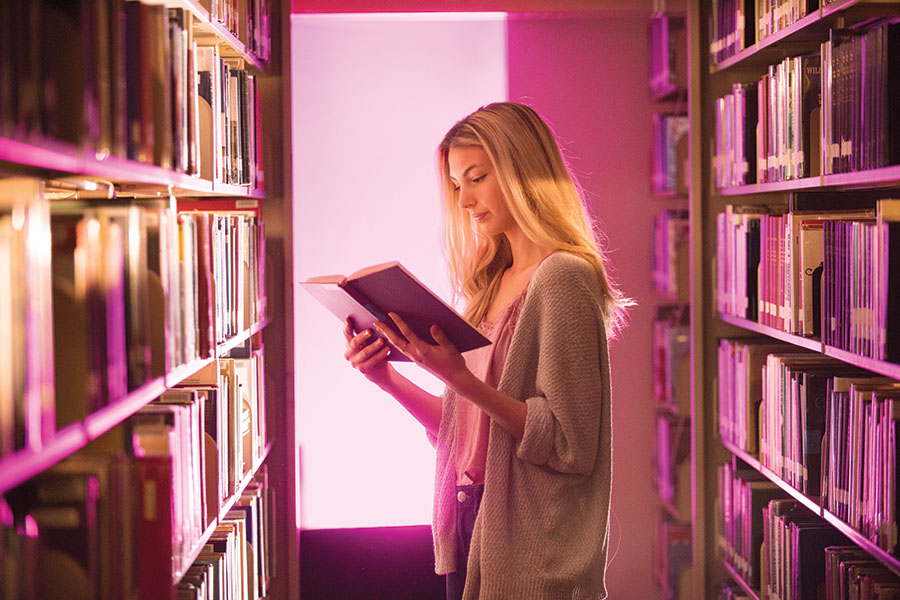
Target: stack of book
(861, 98)
(673, 559)
(27, 408)
(829, 274)
(731, 28)
(793, 416)
(668, 67)
(740, 389)
(794, 544)
(113, 522)
(672, 465)
(861, 459)
(670, 154)
(671, 367)
(231, 270)
(852, 573)
(133, 80)
(743, 493)
(735, 157)
(669, 261)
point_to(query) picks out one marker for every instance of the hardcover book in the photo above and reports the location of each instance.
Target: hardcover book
(370, 294)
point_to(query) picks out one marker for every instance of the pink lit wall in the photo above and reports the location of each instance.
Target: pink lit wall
(372, 96)
(588, 76)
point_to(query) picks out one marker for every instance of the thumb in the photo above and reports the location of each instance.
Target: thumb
(438, 334)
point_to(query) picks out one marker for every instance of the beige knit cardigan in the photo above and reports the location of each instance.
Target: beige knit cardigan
(542, 531)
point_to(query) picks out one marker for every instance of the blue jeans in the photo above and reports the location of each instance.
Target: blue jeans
(468, 501)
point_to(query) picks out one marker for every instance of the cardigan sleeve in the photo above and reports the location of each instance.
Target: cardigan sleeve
(562, 426)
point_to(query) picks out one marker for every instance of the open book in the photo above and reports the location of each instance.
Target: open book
(368, 295)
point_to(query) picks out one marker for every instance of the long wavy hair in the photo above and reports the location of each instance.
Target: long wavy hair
(541, 196)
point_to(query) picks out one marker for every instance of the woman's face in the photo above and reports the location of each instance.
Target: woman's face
(473, 175)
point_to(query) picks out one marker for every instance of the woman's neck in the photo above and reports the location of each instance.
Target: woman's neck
(525, 253)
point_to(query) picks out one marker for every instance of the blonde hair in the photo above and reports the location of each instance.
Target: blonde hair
(541, 196)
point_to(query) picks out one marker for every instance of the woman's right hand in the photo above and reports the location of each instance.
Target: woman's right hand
(366, 353)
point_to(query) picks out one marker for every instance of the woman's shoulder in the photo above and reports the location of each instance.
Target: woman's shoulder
(564, 274)
(563, 266)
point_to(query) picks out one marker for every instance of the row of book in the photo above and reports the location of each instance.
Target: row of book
(248, 20)
(108, 294)
(861, 98)
(784, 551)
(737, 24)
(670, 172)
(128, 79)
(860, 463)
(112, 523)
(672, 561)
(671, 352)
(770, 130)
(825, 428)
(852, 573)
(829, 274)
(672, 465)
(833, 111)
(668, 47)
(780, 548)
(742, 495)
(731, 28)
(669, 261)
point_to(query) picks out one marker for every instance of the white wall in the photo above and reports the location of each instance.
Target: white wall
(372, 97)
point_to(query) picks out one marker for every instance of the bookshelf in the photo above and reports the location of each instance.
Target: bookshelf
(181, 463)
(717, 63)
(669, 188)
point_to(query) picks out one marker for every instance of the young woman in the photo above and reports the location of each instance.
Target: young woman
(522, 432)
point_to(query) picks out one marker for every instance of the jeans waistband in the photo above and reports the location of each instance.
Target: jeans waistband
(469, 495)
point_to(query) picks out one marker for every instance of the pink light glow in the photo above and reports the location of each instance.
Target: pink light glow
(372, 96)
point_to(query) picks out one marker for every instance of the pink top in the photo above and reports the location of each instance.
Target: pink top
(472, 424)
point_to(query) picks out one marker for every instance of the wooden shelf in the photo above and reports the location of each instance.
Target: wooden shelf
(53, 159)
(869, 179)
(886, 369)
(805, 34)
(888, 560)
(870, 364)
(794, 37)
(732, 572)
(235, 341)
(24, 465)
(811, 503)
(101, 421)
(178, 374)
(796, 340)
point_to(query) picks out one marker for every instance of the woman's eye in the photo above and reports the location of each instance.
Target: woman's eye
(479, 178)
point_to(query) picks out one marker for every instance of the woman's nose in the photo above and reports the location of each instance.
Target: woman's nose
(465, 199)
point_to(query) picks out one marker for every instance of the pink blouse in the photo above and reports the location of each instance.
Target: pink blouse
(472, 424)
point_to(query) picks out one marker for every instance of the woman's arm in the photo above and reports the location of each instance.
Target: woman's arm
(368, 357)
(447, 364)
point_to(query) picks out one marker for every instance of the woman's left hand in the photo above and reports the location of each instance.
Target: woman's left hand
(443, 360)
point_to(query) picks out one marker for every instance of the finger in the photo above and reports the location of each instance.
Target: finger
(372, 361)
(366, 352)
(348, 330)
(357, 343)
(404, 328)
(440, 337)
(392, 336)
